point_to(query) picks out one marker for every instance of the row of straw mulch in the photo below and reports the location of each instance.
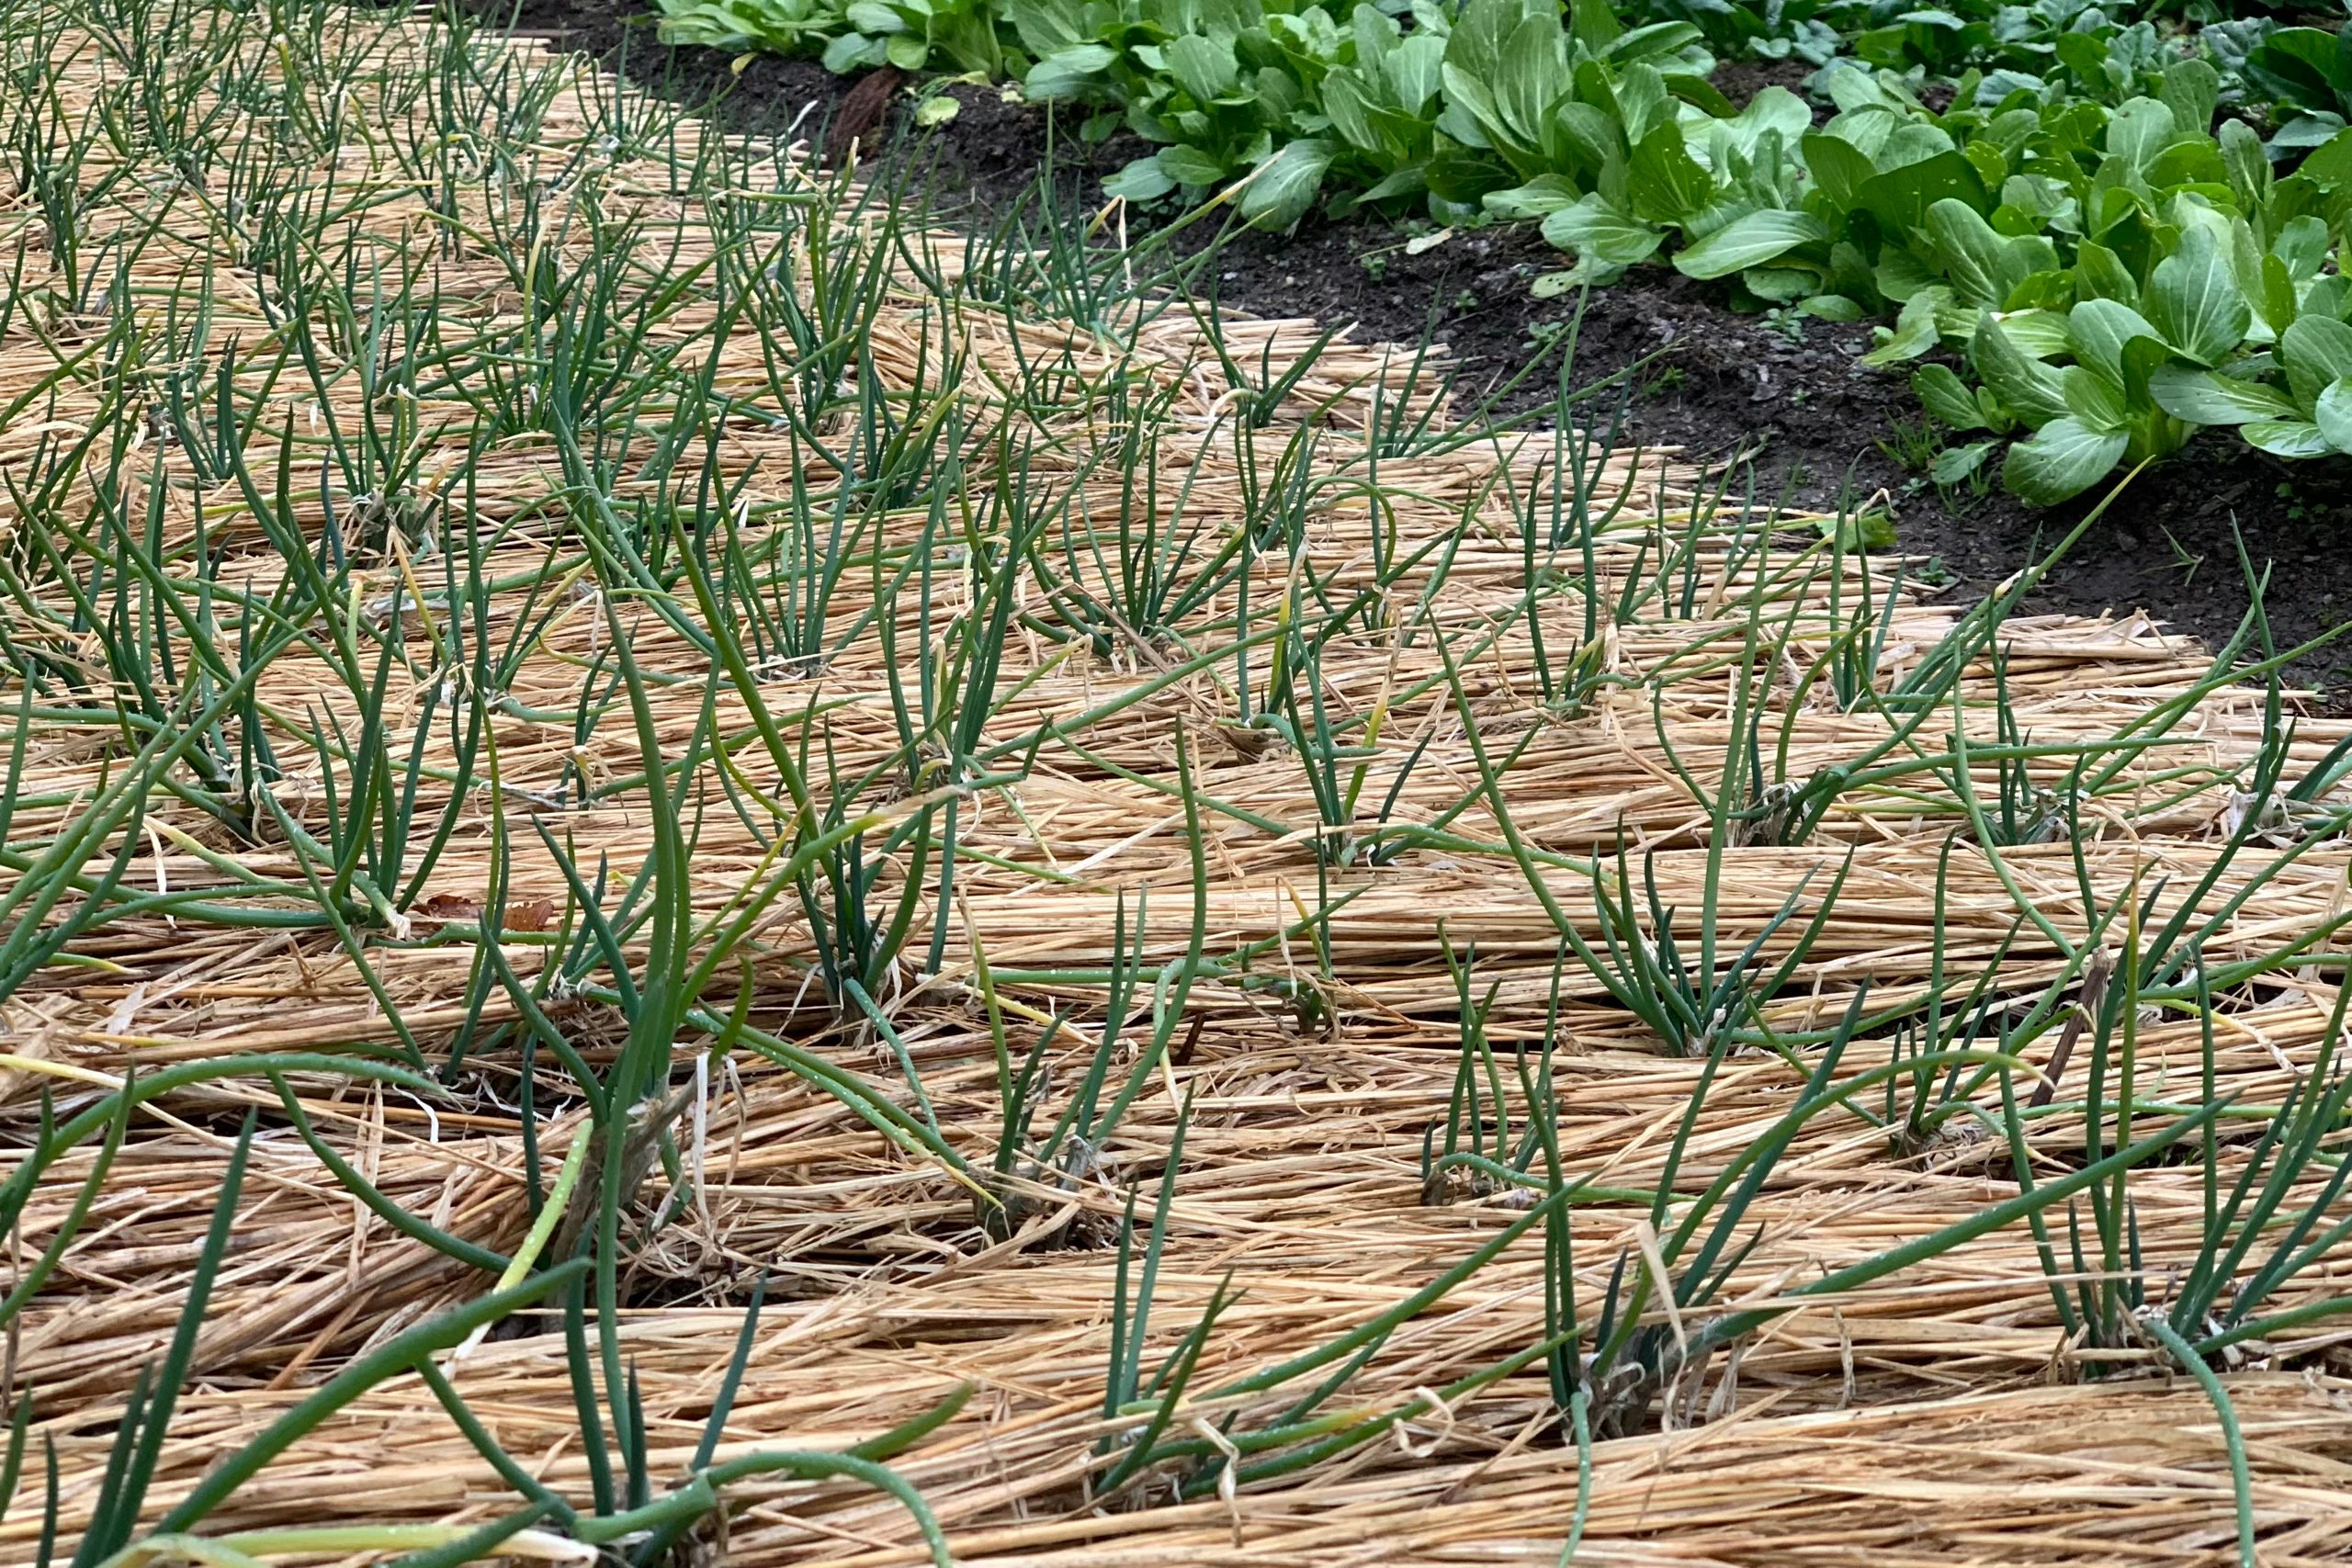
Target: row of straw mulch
(1936, 1418)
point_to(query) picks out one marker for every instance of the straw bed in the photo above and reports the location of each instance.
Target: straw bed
(1253, 964)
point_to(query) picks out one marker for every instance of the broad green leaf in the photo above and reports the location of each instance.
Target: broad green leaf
(1471, 116)
(2082, 53)
(2139, 131)
(2204, 397)
(2275, 304)
(1190, 165)
(1066, 73)
(2295, 57)
(2026, 385)
(1539, 197)
(2094, 400)
(1865, 529)
(1698, 92)
(1048, 27)
(1853, 87)
(1464, 177)
(1912, 140)
(1643, 99)
(1530, 78)
(1774, 109)
(2064, 458)
(1947, 398)
(2288, 438)
(1344, 105)
(1991, 163)
(1664, 181)
(1480, 29)
(2099, 274)
(2195, 302)
(2192, 90)
(2302, 246)
(1901, 274)
(1851, 275)
(1908, 341)
(1284, 188)
(1408, 181)
(1899, 199)
(1276, 95)
(1915, 332)
(1597, 231)
(2332, 415)
(2329, 294)
(2048, 287)
(1202, 67)
(1977, 260)
(1954, 464)
(2038, 201)
(2097, 329)
(1414, 68)
(1659, 43)
(2316, 351)
(2246, 264)
(2143, 357)
(2305, 131)
(1830, 307)
(2248, 165)
(1752, 241)
(1595, 23)
(1838, 166)
(2040, 334)
(1780, 285)
(2195, 165)
(2330, 165)
(852, 51)
(1588, 135)
(1375, 36)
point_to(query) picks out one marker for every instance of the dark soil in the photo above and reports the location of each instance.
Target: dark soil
(1740, 80)
(1817, 427)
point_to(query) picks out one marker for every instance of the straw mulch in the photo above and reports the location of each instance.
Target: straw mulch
(1938, 1416)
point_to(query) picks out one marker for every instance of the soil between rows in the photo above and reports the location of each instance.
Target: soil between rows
(1815, 424)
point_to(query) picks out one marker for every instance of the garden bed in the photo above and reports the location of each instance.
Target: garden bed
(1822, 428)
(693, 871)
